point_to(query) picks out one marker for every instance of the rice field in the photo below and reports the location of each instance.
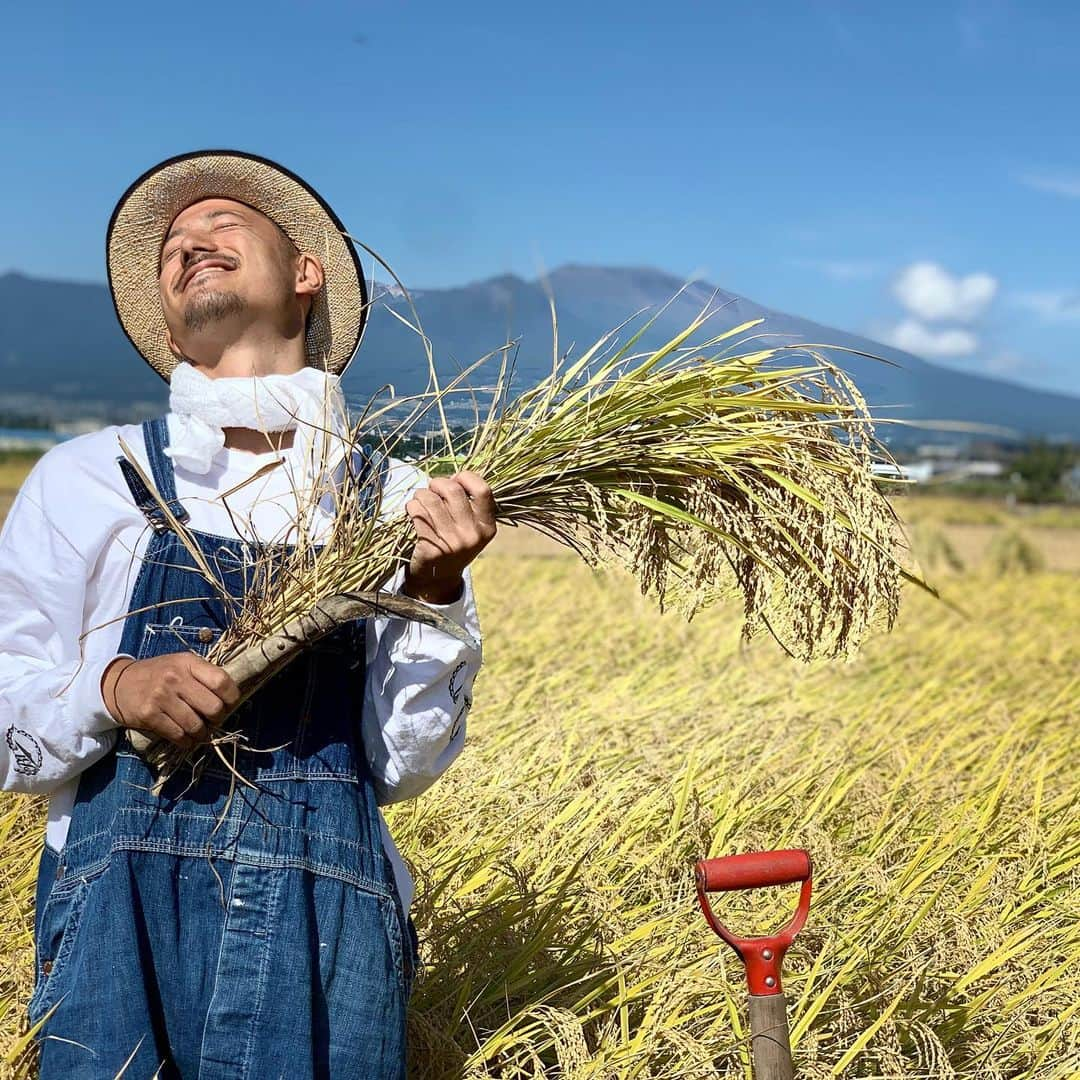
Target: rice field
(933, 779)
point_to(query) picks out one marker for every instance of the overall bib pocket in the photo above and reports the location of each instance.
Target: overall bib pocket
(56, 931)
(160, 639)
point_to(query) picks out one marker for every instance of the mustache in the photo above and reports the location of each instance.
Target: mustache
(192, 268)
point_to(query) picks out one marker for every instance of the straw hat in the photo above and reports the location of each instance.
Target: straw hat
(146, 210)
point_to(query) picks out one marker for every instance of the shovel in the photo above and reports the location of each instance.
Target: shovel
(761, 955)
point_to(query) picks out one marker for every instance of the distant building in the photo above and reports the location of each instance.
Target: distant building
(967, 470)
(980, 468)
(949, 469)
(917, 471)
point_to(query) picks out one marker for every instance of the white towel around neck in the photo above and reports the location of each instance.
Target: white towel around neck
(309, 400)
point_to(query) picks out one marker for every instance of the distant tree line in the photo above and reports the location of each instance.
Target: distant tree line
(1035, 471)
(26, 421)
(1041, 468)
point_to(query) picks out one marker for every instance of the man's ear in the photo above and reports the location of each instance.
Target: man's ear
(309, 275)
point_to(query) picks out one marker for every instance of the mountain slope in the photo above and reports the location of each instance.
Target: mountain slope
(60, 342)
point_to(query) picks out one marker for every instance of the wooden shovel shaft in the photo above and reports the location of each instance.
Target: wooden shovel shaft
(769, 1037)
(258, 663)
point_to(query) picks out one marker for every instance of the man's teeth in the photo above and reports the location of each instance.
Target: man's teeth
(207, 270)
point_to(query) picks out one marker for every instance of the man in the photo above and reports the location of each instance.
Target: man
(220, 929)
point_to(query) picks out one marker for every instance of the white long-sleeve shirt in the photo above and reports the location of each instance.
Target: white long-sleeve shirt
(70, 552)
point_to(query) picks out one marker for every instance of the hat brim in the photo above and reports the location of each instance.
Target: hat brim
(137, 229)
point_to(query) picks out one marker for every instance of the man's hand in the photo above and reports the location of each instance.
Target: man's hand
(178, 696)
(454, 520)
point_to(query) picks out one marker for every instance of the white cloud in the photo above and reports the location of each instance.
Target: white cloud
(1053, 305)
(1054, 183)
(842, 269)
(930, 292)
(914, 337)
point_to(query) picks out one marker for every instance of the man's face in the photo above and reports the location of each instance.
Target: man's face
(224, 267)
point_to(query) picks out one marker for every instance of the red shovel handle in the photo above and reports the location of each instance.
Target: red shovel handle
(755, 870)
(761, 955)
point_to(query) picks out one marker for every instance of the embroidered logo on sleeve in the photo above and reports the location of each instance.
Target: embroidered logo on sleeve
(26, 749)
(461, 716)
(452, 686)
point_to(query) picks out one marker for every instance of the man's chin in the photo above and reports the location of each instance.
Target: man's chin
(208, 306)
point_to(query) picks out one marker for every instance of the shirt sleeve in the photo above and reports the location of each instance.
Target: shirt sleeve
(419, 684)
(53, 719)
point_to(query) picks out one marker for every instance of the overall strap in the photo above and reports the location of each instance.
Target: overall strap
(156, 436)
(372, 460)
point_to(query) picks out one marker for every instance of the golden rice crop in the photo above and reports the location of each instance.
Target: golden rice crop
(932, 778)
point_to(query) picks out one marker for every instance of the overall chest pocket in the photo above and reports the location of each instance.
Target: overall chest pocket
(159, 639)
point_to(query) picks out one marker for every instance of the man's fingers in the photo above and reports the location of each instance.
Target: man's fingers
(430, 508)
(456, 497)
(479, 491)
(169, 729)
(203, 700)
(427, 532)
(215, 678)
(434, 507)
(184, 717)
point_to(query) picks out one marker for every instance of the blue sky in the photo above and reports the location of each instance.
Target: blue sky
(907, 171)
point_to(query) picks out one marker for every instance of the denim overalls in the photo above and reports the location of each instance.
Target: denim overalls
(269, 944)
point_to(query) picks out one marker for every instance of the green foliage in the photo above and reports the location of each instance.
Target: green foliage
(1040, 468)
(26, 421)
(14, 466)
(24, 458)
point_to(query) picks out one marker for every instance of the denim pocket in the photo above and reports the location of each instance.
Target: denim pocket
(414, 951)
(160, 639)
(56, 929)
(400, 947)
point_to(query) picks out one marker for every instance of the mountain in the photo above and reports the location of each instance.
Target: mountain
(61, 346)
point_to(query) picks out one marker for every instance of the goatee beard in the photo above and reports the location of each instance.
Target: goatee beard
(210, 307)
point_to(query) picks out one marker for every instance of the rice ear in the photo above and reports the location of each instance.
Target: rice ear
(705, 474)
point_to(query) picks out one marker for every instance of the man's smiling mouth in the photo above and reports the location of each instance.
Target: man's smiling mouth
(201, 269)
(208, 270)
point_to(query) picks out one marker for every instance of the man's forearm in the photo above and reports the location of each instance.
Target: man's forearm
(433, 591)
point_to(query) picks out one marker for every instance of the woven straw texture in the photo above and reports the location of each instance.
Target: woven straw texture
(147, 209)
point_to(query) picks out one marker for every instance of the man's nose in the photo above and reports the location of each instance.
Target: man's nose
(193, 242)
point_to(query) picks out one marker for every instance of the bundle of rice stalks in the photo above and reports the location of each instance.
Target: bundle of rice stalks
(934, 549)
(1011, 552)
(702, 472)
